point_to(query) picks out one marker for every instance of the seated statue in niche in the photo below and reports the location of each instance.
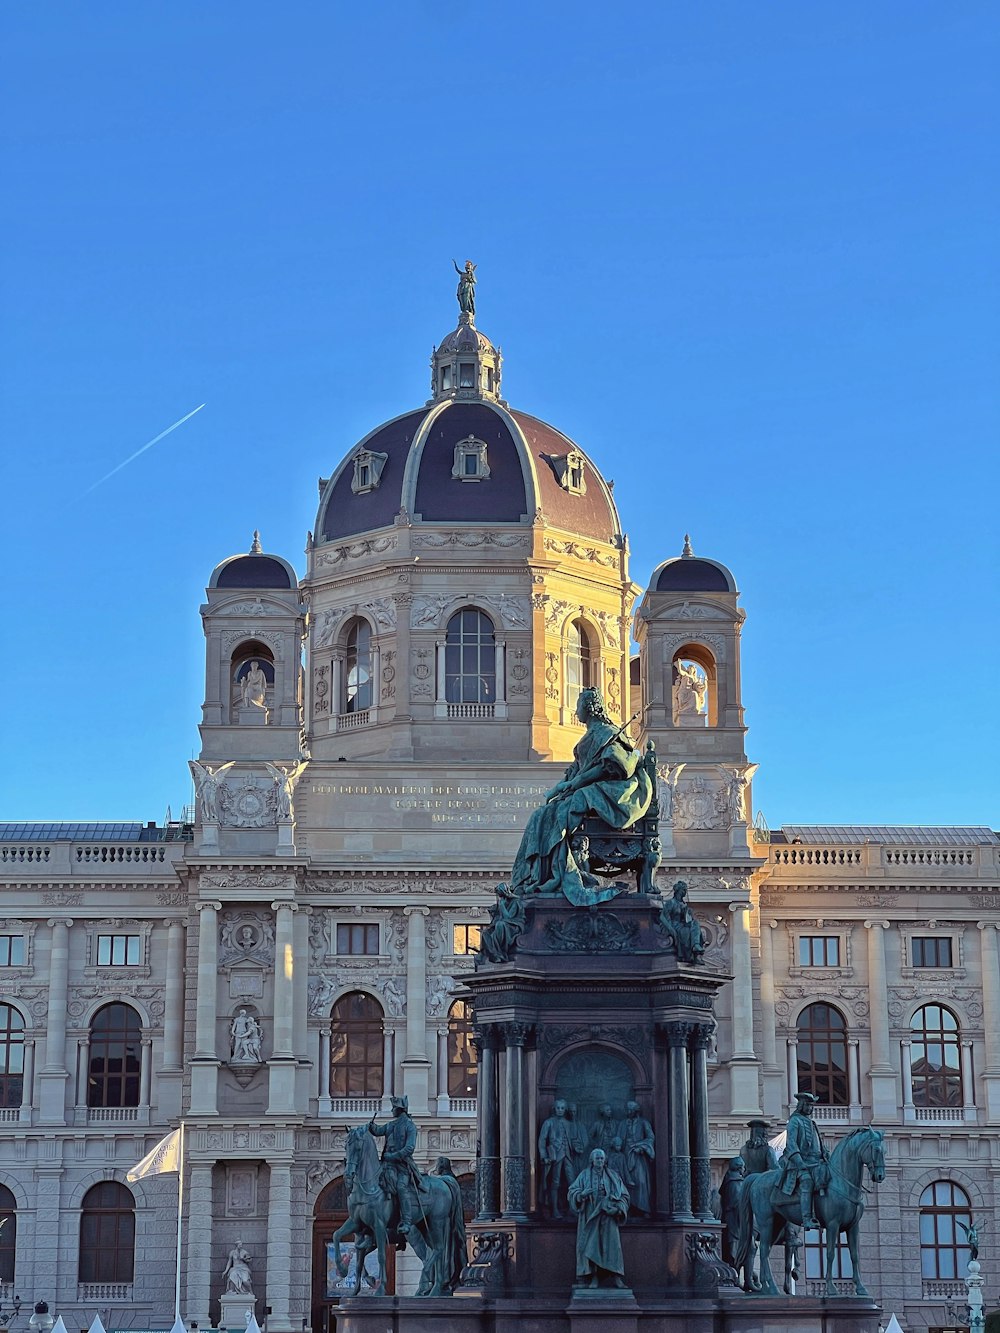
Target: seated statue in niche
(237, 1271)
(253, 687)
(607, 780)
(690, 690)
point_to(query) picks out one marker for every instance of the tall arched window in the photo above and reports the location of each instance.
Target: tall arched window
(580, 662)
(358, 667)
(935, 1059)
(11, 1056)
(115, 1051)
(357, 1046)
(943, 1249)
(463, 1070)
(8, 1233)
(107, 1234)
(470, 658)
(822, 1054)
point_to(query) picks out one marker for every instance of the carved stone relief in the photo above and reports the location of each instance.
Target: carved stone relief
(581, 552)
(503, 540)
(696, 611)
(246, 936)
(337, 555)
(700, 804)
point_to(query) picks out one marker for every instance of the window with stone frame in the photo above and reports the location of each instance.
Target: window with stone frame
(944, 1251)
(119, 951)
(12, 951)
(368, 469)
(470, 658)
(935, 1057)
(358, 696)
(819, 950)
(821, 1054)
(11, 1056)
(581, 661)
(107, 1234)
(931, 951)
(463, 1066)
(114, 1059)
(465, 937)
(357, 937)
(357, 1046)
(470, 460)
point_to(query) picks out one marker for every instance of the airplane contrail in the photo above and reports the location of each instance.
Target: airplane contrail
(131, 458)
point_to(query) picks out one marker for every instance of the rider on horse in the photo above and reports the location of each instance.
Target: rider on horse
(804, 1161)
(400, 1177)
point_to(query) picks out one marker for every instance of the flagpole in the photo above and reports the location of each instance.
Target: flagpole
(180, 1214)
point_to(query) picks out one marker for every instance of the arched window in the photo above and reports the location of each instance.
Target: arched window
(470, 658)
(463, 1072)
(943, 1250)
(935, 1057)
(11, 1056)
(822, 1054)
(115, 1050)
(107, 1234)
(8, 1233)
(358, 667)
(357, 1046)
(581, 670)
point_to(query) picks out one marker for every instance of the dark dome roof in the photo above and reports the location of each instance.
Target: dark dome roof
(689, 573)
(253, 571)
(523, 455)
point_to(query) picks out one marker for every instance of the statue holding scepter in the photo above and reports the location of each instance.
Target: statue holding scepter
(466, 287)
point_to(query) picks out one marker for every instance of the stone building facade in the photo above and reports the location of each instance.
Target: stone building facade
(374, 735)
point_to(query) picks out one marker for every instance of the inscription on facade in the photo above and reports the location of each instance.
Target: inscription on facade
(500, 805)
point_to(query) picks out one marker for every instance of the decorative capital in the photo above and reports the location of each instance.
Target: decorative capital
(286, 904)
(208, 902)
(870, 925)
(60, 921)
(515, 1034)
(701, 1036)
(678, 1033)
(416, 910)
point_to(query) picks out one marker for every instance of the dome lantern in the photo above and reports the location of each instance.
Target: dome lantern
(466, 365)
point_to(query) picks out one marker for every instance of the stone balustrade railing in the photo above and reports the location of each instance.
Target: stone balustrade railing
(64, 860)
(880, 861)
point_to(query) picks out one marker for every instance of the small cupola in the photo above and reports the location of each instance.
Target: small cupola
(466, 365)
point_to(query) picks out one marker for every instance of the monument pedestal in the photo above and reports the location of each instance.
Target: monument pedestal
(252, 716)
(236, 1311)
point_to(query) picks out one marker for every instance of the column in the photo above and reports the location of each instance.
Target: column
(53, 1076)
(170, 1076)
(991, 1017)
(336, 687)
(388, 1070)
(883, 1075)
(744, 1090)
(82, 1074)
(443, 1099)
(145, 1069)
(416, 1065)
(501, 669)
(205, 1063)
(515, 1176)
(198, 1224)
(906, 1051)
(487, 1044)
(854, 1080)
(27, 1079)
(968, 1086)
(376, 680)
(300, 1010)
(325, 1106)
(279, 1248)
(792, 1061)
(281, 1065)
(439, 662)
(773, 1073)
(701, 1166)
(680, 1141)
(404, 680)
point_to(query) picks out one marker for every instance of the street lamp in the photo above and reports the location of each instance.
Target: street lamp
(41, 1321)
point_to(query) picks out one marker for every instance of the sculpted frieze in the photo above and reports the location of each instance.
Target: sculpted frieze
(239, 880)
(501, 540)
(338, 555)
(274, 641)
(439, 991)
(716, 642)
(580, 551)
(254, 608)
(61, 898)
(967, 999)
(246, 936)
(695, 611)
(114, 989)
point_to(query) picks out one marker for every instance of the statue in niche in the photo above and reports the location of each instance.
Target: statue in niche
(637, 1147)
(253, 687)
(678, 922)
(736, 792)
(506, 925)
(600, 1200)
(607, 780)
(285, 780)
(690, 690)
(579, 1147)
(555, 1148)
(466, 287)
(209, 787)
(606, 1134)
(237, 1271)
(245, 1035)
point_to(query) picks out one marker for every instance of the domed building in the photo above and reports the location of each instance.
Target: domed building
(374, 736)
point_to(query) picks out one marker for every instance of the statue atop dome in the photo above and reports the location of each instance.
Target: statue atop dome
(466, 288)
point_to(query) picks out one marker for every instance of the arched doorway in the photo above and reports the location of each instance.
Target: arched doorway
(330, 1213)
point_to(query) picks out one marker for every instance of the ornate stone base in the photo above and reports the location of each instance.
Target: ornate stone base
(252, 717)
(236, 1311)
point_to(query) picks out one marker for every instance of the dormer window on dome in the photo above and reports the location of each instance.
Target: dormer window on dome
(470, 460)
(570, 469)
(368, 467)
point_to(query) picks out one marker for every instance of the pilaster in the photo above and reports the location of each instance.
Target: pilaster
(416, 1065)
(53, 1076)
(205, 1063)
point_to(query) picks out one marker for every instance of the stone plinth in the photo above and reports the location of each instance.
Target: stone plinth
(236, 1310)
(252, 716)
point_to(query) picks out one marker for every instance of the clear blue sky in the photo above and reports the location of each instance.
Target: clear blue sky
(745, 253)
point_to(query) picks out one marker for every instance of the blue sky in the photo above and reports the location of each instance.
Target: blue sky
(746, 254)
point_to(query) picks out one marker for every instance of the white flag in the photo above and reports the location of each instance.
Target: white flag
(166, 1156)
(97, 1326)
(894, 1326)
(59, 1326)
(252, 1325)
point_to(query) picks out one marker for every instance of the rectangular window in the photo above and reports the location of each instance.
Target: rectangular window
(819, 950)
(11, 950)
(471, 465)
(466, 376)
(465, 938)
(118, 951)
(931, 951)
(357, 939)
(446, 377)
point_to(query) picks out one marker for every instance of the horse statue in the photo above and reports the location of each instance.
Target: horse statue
(839, 1204)
(438, 1232)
